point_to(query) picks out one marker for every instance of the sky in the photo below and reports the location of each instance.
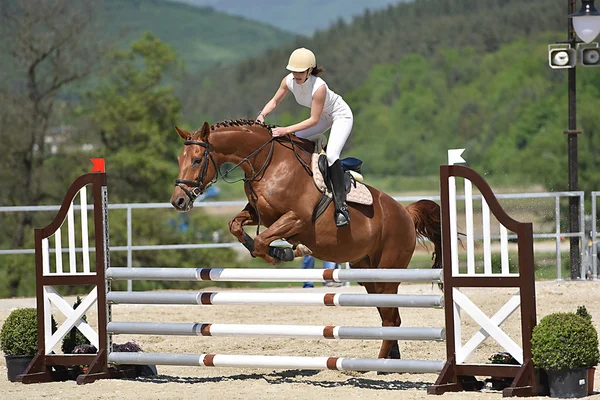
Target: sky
(302, 17)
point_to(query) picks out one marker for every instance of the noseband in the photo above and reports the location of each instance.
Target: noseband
(197, 186)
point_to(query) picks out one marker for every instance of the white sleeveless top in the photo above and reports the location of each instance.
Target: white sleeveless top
(334, 107)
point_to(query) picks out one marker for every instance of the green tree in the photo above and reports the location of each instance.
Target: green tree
(48, 46)
(134, 112)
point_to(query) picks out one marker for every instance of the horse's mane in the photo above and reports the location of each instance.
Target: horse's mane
(240, 122)
(307, 144)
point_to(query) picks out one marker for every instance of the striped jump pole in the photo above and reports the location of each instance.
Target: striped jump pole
(278, 362)
(274, 275)
(287, 331)
(276, 299)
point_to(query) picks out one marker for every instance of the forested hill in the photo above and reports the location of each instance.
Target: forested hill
(202, 35)
(437, 74)
(348, 51)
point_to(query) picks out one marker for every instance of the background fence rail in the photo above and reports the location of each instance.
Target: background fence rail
(589, 252)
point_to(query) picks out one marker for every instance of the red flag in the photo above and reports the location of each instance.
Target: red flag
(98, 164)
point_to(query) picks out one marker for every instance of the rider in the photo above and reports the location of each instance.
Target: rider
(327, 110)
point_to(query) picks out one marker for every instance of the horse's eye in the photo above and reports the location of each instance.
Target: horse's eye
(196, 162)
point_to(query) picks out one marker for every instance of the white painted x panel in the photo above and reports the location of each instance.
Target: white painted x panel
(489, 327)
(73, 318)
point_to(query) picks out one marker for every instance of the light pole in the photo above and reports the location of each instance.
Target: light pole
(586, 24)
(572, 132)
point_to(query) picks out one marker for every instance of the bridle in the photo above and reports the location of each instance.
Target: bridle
(198, 187)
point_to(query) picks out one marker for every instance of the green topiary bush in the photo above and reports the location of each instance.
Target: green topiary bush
(583, 312)
(19, 333)
(564, 341)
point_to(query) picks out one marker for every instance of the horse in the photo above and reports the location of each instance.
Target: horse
(282, 196)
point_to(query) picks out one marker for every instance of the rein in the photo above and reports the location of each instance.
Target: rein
(257, 175)
(294, 147)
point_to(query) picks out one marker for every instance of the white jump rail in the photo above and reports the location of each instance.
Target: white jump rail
(287, 331)
(274, 275)
(276, 299)
(278, 362)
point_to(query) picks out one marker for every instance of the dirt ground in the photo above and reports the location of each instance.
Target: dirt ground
(227, 383)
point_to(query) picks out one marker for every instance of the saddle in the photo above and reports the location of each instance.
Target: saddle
(356, 191)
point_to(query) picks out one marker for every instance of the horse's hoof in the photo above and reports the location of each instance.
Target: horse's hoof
(303, 250)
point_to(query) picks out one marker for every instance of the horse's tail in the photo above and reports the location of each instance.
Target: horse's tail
(426, 216)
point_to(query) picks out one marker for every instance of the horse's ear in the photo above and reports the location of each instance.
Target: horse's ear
(185, 135)
(204, 132)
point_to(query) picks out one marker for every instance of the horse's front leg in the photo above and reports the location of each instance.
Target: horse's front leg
(246, 217)
(288, 225)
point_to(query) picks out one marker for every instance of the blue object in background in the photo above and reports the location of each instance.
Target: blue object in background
(330, 265)
(309, 262)
(212, 191)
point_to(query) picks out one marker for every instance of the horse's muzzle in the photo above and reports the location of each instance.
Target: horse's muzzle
(181, 202)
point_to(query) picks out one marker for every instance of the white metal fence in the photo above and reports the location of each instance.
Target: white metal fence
(593, 244)
(553, 234)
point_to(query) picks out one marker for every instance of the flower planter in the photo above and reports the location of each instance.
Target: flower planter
(541, 379)
(568, 384)
(16, 365)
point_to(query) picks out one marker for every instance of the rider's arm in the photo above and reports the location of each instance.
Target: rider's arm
(316, 109)
(274, 102)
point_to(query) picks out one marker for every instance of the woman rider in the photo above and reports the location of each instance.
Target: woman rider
(327, 110)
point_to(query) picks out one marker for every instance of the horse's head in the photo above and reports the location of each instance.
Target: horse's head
(197, 168)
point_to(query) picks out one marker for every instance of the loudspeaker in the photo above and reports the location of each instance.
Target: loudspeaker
(562, 58)
(590, 57)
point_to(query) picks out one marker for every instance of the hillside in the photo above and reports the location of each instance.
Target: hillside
(302, 17)
(509, 116)
(202, 35)
(479, 79)
(349, 51)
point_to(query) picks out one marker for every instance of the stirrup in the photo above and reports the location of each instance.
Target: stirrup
(342, 217)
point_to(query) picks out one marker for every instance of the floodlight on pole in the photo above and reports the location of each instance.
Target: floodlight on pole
(586, 21)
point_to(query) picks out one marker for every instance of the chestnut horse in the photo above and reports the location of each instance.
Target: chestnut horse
(282, 196)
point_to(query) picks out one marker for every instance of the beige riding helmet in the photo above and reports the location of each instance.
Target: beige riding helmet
(301, 59)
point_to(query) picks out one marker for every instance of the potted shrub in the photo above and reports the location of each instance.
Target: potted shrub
(591, 371)
(565, 345)
(18, 340)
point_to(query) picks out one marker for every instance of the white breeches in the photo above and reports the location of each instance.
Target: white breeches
(340, 130)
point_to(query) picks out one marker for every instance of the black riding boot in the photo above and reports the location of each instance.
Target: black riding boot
(336, 174)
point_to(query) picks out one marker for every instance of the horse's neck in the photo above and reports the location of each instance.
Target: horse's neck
(250, 150)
